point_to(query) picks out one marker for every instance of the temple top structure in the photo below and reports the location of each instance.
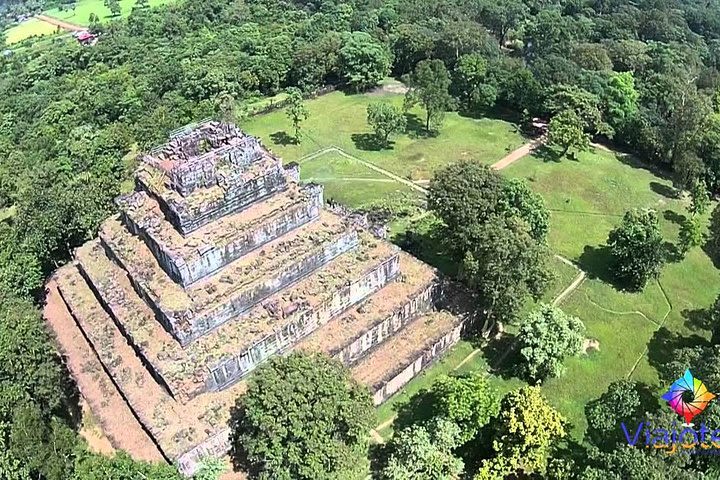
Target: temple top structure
(200, 155)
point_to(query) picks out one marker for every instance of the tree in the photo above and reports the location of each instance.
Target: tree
(691, 234)
(429, 86)
(504, 267)
(121, 466)
(364, 61)
(93, 19)
(714, 234)
(303, 417)
(470, 83)
(545, 339)
(36, 406)
(636, 247)
(528, 430)
(621, 99)
(502, 16)
(565, 131)
(518, 199)
(385, 120)
(586, 106)
(424, 452)
(495, 231)
(700, 200)
(141, 3)
(467, 400)
(113, 6)
(296, 110)
(620, 403)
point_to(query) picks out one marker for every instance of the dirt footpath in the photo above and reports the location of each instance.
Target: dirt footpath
(60, 23)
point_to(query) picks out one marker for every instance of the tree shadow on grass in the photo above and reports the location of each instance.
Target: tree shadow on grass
(662, 350)
(664, 190)
(415, 127)
(282, 138)
(547, 154)
(415, 410)
(503, 356)
(596, 261)
(674, 217)
(697, 319)
(712, 254)
(672, 252)
(369, 142)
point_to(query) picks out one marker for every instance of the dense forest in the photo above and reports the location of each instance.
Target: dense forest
(643, 75)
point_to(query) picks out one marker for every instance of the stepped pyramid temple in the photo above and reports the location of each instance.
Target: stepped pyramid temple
(219, 259)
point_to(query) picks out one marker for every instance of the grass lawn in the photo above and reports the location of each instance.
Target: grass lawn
(587, 199)
(339, 119)
(349, 182)
(31, 27)
(83, 8)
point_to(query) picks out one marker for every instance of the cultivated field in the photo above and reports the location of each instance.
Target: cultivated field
(32, 27)
(83, 8)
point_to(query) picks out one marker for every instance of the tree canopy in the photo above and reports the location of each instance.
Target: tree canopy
(302, 417)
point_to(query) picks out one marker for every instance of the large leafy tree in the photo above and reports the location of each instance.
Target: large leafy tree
(424, 452)
(547, 336)
(713, 243)
(621, 99)
(429, 85)
(467, 400)
(36, 398)
(565, 131)
(495, 230)
(364, 61)
(122, 467)
(622, 402)
(385, 120)
(472, 85)
(303, 417)
(528, 430)
(637, 249)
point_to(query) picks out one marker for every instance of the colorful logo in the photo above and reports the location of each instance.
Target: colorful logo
(688, 396)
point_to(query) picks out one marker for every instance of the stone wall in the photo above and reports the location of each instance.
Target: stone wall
(394, 384)
(215, 447)
(301, 323)
(419, 303)
(215, 257)
(187, 218)
(243, 300)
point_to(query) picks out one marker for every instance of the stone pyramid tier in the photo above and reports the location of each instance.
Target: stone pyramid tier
(219, 260)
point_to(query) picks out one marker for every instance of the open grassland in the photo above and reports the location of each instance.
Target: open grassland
(83, 8)
(339, 119)
(32, 27)
(348, 182)
(587, 199)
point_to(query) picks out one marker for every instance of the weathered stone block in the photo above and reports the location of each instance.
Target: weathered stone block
(188, 259)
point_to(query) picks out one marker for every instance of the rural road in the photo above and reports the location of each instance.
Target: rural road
(60, 23)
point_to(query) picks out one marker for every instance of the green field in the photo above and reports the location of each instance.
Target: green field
(587, 197)
(349, 182)
(31, 27)
(83, 8)
(339, 119)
